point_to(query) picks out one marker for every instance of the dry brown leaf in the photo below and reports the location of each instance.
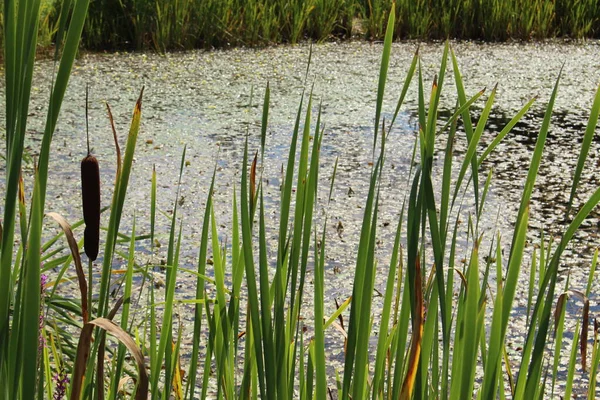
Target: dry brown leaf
(558, 310)
(117, 148)
(66, 227)
(584, 326)
(83, 353)
(124, 381)
(101, 351)
(338, 328)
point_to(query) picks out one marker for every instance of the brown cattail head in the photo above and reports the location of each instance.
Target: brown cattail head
(90, 194)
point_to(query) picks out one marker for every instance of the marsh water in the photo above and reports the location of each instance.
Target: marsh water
(209, 100)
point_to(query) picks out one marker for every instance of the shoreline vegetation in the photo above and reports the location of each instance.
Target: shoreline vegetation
(261, 322)
(163, 25)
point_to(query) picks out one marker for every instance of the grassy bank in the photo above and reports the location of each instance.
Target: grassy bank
(47, 25)
(260, 317)
(187, 24)
(164, 24)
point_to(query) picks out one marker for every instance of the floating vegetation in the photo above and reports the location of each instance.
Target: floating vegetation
(260, 326)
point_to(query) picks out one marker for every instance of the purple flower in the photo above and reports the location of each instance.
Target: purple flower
(42, 342)
(43, 282)
(62, 381)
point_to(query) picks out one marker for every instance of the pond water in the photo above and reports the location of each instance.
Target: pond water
(202, 100)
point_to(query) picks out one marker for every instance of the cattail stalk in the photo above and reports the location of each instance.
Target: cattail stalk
(90, 194)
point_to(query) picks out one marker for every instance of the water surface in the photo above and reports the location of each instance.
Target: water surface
(209, 101)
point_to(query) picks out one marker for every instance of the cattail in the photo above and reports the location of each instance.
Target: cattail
(90, 194)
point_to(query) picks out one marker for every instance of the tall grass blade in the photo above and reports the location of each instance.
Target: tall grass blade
(20, 22)
(319, 341)
(505, 131)
(200, 293)
(544, 306)
(536, 158)
(265, 121)
(572, 360)
(473, 142)
(122, 182)
(253, 311)
(502, 310)
(585, 146)
(468, 125)
(120, 359)
(152, 206)
(382, 344)
(592, 274)
(595, 362)
(405, 86)
(385, 62)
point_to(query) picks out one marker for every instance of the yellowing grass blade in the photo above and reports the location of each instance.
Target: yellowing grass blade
(177, 377)
(415, 348)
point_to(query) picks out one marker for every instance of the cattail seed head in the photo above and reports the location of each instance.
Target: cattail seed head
(90, 194)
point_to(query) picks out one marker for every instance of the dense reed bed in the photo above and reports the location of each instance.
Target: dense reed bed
(258, 330)
(185, 24)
